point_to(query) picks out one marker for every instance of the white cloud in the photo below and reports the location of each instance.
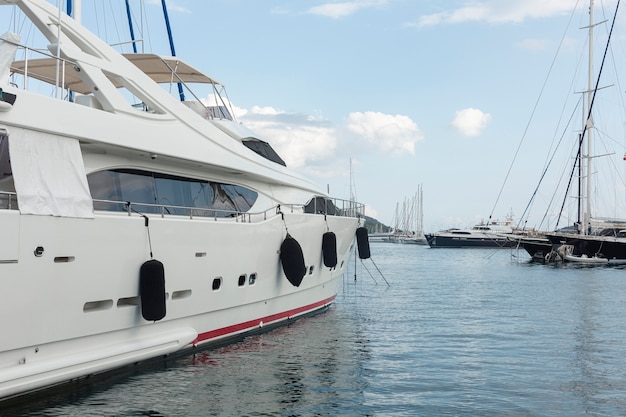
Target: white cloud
(497, 11)
(470, 122)
(265, 110)
(298, 139)
(343, 9)
(310, 143)
(384, 132)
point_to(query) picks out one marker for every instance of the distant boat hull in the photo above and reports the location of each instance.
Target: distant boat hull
(591, 246)
(492, 235)
(482, 241)
(537, 247)
(586, 259)
(410, 240)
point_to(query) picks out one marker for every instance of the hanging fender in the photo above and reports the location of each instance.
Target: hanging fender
(329, 249)
(363, 243)
(152, 290)
(292, 260)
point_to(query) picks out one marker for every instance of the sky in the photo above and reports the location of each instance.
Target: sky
(373, 98)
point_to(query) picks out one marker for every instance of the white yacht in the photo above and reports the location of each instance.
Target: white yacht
(494, 234)
(135, 225)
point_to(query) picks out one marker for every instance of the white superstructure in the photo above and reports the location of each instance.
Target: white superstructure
(106, 172)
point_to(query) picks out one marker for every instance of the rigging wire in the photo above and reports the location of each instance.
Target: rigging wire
(589, 119)
(547, 166)
(623, 106)
(532, 113)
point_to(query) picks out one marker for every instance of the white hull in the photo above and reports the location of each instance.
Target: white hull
(583, 259)
(70, 319)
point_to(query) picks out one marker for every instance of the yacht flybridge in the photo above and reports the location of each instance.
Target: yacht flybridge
(134, 224)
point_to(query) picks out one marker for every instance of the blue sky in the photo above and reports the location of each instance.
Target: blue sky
(411, 91)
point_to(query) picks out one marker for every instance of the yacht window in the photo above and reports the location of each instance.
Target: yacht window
(5, 163)
(176, 195)
(320, 205)
(172, 192)
(138, 188)
(6, 175)
(264, 149)
(219, 112)
(242, 198)
(201, 194)
(122, 186)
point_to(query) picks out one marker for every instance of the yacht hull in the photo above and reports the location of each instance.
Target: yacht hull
(443, 241)
(74, 307)
(611, 249)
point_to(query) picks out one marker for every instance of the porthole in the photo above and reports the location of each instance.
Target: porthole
(242, 280)
(252, 278)
(311, 270)
(217, 283)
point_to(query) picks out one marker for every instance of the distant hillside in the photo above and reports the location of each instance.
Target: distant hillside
(374, 226)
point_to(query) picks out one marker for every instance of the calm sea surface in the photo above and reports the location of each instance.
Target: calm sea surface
(459, 332)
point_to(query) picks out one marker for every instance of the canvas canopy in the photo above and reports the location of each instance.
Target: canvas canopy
(49, 174)
(159, 69)
(8, 46)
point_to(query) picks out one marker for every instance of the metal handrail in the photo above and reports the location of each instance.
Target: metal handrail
(341, 208)
(58, 83)
(8, 200)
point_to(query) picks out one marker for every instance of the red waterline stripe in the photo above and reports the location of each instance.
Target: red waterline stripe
(236, 328)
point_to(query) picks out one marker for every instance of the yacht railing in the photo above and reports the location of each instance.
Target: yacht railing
(8, 200)
(325, 206)
(330, 207)
(59, 80)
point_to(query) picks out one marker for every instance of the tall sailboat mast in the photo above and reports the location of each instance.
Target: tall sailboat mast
(171, 39)
(130, 26)
(588, 126)
(74, 9)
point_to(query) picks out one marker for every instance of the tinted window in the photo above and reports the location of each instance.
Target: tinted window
(5, 162)
(171, 192)
(175, 194)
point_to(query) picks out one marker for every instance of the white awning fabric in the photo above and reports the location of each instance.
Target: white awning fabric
(8, 46)
(49, 174)
(160, 69)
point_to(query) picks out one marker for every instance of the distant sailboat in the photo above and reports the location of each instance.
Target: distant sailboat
(590, 239)
(597, 240)
(409, 220)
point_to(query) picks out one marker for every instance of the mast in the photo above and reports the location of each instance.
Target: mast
(579, 196)
(130, 26)
(171, 39)
(420, 219)
(589, 127)
(584, 194)
(74, 9)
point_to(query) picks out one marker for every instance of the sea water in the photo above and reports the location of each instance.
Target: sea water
(414, 332)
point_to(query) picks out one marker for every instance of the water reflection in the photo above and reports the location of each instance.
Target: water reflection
(464, 332)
